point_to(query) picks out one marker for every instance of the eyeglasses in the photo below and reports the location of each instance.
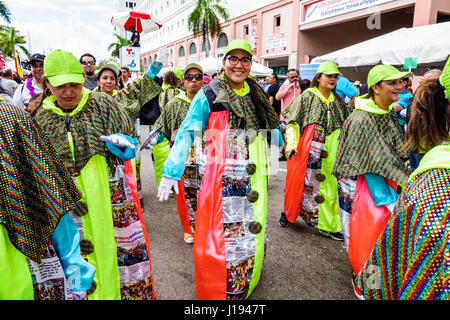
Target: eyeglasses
(191, 77)
(92, 63)
(244, 61)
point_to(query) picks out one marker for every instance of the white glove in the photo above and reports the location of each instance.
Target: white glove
(118, 140)
(163, 54)
(165, 188)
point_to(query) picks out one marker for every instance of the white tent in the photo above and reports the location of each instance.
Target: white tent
(428, 44)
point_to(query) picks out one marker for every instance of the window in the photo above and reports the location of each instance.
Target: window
(245, 32)
(204, 46)
(192, 48)
(181, 52)
(276, 24)
(222, 41)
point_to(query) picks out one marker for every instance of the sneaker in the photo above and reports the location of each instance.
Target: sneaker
(283, 222)
(357, 292)
(188, 237)
(333, 235)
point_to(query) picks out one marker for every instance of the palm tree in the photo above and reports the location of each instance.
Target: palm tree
(10, 38)
(5, 13)
(115, 46)
(204, 20)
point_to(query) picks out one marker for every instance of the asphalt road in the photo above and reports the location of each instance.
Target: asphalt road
(300, 264)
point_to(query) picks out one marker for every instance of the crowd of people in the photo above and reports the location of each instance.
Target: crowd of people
(366, 164)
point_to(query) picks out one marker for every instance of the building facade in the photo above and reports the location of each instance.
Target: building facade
(285, 33)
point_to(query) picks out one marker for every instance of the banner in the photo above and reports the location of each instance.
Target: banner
(276, 43)
(253, 38)
(129, 56)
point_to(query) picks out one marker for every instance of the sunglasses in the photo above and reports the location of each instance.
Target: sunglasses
(244, 61)
(293, 77)
(92, 63)
(191, 77)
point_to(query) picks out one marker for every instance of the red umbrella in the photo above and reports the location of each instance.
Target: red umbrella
(140, 20)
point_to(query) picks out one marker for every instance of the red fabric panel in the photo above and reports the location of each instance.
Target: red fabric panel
(367, 222)
(131, 180)
(209, 241)
(295, 176)
(141, 15)
(182, 208)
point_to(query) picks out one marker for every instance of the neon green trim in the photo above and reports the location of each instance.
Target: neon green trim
(114, 93)
(292, 136)
(49, 104)
(15, 276)
(319, 94)
(93, 182)
(165, 86)
(258, 152)
(368, 105)
(182, 96)
(329, 217)
(438, 157)
(243, 91)
(160, 155)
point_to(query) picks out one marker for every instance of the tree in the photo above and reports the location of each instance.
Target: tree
(10, 38)
(5, 13)
(115, 46)
(204, 20)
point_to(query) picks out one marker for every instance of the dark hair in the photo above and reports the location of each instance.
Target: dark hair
(258, 101)
(305, 84)
(370, 92)
(87, 55)
(430, 118)
(315, 83)
(7, 73)
(171, 79)
(275, 76)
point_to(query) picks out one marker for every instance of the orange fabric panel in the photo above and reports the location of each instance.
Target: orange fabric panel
(209, 241)
(182, 208)
(367, 222)
(295, 176)
(131, 180)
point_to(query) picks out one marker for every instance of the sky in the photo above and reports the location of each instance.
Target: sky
(78, 26)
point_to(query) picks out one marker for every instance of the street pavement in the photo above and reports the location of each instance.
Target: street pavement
(300, 264)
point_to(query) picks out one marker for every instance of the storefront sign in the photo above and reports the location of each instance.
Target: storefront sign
(129, 56)
(308, 71)
(253, 32)
(276, 43)
(330, 8)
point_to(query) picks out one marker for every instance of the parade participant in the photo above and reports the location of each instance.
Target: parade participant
(206, 80)
(289, 90)
(125, 77)
(410, 259)
(77, 122)
(370, 163)
(33, 85)
(88, 63)
(168, 124)
(232, 200)
(314, 122)
(39, 242)
(134, 96)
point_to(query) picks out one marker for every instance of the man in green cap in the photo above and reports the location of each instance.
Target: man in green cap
(231, 113)
(168, 123)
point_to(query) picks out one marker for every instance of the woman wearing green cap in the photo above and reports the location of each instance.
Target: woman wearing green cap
(110, 221)
(39, 242)
(410, 259)
(314, 122)
(370, 164)
(234, 113)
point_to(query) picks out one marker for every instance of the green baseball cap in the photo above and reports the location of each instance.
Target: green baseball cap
(192, 65)
(239, 44)
(444, 79)
(385, 72)
(328, 67)
(61, 67)
(178, 72)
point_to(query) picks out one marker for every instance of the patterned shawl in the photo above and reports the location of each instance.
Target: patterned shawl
(36, 189)
(136, 94)
(308, 108)
(410, 259)
(371, 143)
(101, 115)
(243, 107)
(172, 116)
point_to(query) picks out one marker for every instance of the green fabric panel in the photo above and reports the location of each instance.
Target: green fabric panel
(258, 155)
(438, 157)
(93, 182)
(15, 276)
(329, 218)
(160, 154)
